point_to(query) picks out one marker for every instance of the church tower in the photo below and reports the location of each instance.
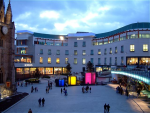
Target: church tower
(8, 14)
(2, 11)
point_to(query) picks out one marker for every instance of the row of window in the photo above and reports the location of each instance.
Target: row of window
(83, 60)
(132, 48)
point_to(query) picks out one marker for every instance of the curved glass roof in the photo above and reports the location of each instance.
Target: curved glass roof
(125, 28)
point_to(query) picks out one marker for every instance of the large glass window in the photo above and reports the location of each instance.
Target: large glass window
(144, 61)
(41, 69)
(75, 52)
(115, 49)
(105, 51)
(28, 60)
(75, 60)
(145, 47)
(41, 51)
(92, 52)
(99, 51)
(99, 61)
(64, 71)
(75, 44)
(132, 48)
(110, 51)
(66, 52)
(83, 52)
(32, 70)
(98, 69)
(49, 51)
(26, 70)
(23, 50)
(57, 60)
(41, 60)
(23, 60)
(83, 61)
(84, 44)
(58, 52)
(105, 61)
(92, 60)
(57, 70)
(122, 49)
(19, 70)
(132, 61)
(49, 60)
(66, 60)
(122, 60)
(115, 60)
(110, 62)
(49, 70)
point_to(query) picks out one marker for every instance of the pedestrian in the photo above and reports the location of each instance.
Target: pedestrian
(35, 89)
(108, 107)
(21, 84)
(90, 89)
(43, 101)
(64, 89)
(105, 108)
(39, 101)
(30, 111)
(61, 90)
(46, 90)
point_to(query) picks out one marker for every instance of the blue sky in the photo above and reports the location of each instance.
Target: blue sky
(70, 16)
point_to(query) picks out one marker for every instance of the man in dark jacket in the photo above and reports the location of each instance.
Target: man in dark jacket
(43, 101)
(105, 108)
(39, 101)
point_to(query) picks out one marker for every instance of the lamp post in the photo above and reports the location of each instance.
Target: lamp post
(62, 38)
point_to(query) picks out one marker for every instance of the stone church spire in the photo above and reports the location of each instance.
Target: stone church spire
(2, 11)
(9, 14)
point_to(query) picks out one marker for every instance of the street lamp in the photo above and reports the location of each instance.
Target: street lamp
(62, 38)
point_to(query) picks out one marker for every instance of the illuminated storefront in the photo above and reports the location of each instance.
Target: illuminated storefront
(138, 61)
(57, 70)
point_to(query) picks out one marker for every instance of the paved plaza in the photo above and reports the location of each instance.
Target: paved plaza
(75, 102)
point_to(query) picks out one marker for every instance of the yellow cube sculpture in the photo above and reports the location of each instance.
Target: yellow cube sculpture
(72, 80)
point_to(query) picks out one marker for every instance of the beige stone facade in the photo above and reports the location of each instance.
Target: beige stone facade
(7, 33)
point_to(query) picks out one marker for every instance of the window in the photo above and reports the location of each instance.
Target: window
(23, 50)
(121, 60)
(28, 60)
(145, 47)
(99, 61)
(83, 52)
(75, 60)
(84, 44)
(92, 52)
(110, 51)
(92, 60)
(105, 61)
(99, 51)
(122, 49)
(49, 51)
(105, 51)
(41, 60)
(110, 62)
(66, 60)
(58, 52)
(41, 51)
(57, 60)
(115, 49)
(75, 52)
(66, 52)
(49, 60)
(75, 44)
(132, 48)
(83, 61)
(115, 60)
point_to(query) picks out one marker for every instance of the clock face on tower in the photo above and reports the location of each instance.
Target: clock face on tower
(4, 30)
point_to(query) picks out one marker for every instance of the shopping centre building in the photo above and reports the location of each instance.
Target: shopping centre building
(126, 46)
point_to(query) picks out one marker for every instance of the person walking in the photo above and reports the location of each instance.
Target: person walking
(46, 90)
(90, 89)
(43, 102)
(61, 90)
(39, 101)
(108, 107)
(105, 108)
(30, 111)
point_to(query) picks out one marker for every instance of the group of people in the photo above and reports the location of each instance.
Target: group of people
(86, 89)
(32, 89)
(41, 101)
(119, 89)
(106, 108)
(50, 85)
(65, 91)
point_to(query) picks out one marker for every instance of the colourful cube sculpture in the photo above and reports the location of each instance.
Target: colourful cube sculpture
(90, 78)
(72, 80)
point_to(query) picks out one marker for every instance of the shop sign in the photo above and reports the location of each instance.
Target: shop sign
(28, 64)
(79, 38)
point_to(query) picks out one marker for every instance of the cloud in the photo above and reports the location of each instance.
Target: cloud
(23, 16)
(49, 14)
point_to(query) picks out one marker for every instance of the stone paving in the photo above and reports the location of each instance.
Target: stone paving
(75, 102)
